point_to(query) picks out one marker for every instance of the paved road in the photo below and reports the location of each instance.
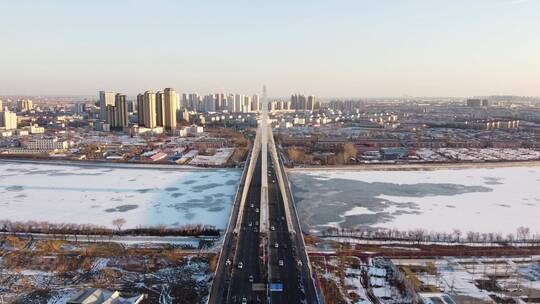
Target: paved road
(248, 249)
(241, 262)
(310, 290)
(283, 261)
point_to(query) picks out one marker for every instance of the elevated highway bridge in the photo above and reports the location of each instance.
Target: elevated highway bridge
(263, 258)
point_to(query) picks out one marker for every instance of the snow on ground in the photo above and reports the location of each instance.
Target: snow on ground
(353, 284)
(461, 276)
(97, 195)
(62, 297)
(481, 200)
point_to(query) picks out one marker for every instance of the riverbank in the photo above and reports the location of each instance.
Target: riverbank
(98, 164)
(420, 166)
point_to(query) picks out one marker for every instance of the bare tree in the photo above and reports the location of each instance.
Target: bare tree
(119, 222)
(523, 233)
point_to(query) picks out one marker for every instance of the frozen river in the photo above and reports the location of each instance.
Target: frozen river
(98, 195)
(479, 200)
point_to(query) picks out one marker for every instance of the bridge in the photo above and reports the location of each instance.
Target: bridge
(263, 258)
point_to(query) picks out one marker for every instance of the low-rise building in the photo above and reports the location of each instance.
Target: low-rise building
(101, 296)
(45, 144)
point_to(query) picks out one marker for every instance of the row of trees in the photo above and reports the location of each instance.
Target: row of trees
(522, 235)
(7, 226)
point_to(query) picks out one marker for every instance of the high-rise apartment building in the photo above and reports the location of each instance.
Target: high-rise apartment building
(310, 105)
(255, 103)
(184, 102)
(294, 102)
(105, 99)
(140, 109)
(146, 109)
(1, 106)
(170, 103)
(122, 113)
(149, 110)
(79, 108)
(8, 120)
(132, 106)
(117, 115)
(111, 116)
(160, 108)
(194, 100)
(238, 100)
(300, 102)
(209, 103)
(246, 104)
(219, 99)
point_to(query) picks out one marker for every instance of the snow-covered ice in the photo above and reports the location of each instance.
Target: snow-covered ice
(497, 200)
(99, 194)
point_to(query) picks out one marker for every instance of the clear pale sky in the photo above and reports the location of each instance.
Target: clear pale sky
(328, 48)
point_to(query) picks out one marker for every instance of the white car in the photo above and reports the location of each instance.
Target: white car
(280, 262)
(276, 245)
(240, 265)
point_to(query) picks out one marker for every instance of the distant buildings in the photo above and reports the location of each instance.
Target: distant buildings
(79, 108)
(477, 102)
(300, 102)
(157, 109)
(24, 105)
(255, 103)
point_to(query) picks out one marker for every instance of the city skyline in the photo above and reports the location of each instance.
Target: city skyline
(337, 49)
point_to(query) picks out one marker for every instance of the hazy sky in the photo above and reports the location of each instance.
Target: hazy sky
(327, 48)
